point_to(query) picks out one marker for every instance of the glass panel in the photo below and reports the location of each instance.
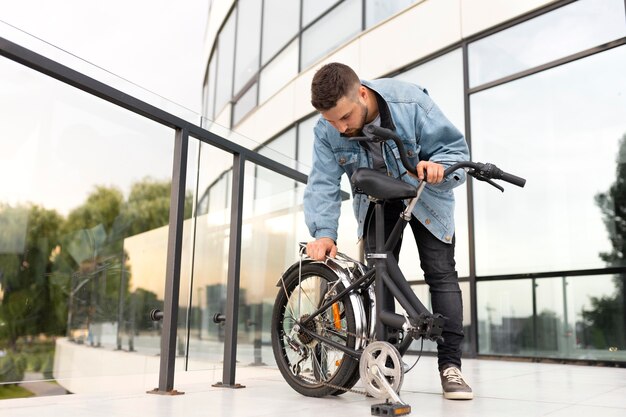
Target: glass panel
(570, 29)
(81, 219)
(210, 263)
(281, 22)
(248, 43)
(225, 57)
(279, 72)
(246, 103)
(505, 317)
(311, 9)
(272, 221)
(572, 317)
(331, 31)
(77, 63)
(573, 215)
(443, 79)
(422, 292)
(594, 317)
(378, 10)
(282, 148)
(305, 143)
(186, 310)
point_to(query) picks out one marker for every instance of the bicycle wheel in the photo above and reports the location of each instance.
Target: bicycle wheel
(310, 366)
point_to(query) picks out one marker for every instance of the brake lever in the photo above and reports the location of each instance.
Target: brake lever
(473, 173)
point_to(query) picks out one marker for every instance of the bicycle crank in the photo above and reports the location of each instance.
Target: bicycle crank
(380, 369)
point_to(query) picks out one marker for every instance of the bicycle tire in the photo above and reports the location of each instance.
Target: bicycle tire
(325, 367)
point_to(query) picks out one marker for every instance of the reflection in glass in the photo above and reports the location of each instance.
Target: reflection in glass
(537, 128)
(570, 29)
(80, 266)
(330, 31)
(247, 50)
(579, 317)
(505, 317)
(281, 22)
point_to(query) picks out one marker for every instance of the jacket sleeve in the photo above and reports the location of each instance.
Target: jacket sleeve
(322, 194)
(442, 142)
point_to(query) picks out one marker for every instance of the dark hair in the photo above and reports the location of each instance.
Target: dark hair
(330, 83)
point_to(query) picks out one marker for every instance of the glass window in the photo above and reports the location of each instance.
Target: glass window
(225, 57)
(593, 320)
(245, 103)
(330, 31)
(248, 43)
(279, 71)
(505, 317)
(210, 263)
(378, 10)
(84, 214)
(282, 148)
(281, 22)
(312, 9)
(209, 93)
(548, 128)
(570, 29)
(443, 79)
(305, 143)
(571, 317)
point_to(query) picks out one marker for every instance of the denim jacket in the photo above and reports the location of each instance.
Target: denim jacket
(427, 135)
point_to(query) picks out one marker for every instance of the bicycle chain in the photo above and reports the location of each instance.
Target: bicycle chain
(328, 384)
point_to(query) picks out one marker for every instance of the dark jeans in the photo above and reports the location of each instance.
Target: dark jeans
(437, 262)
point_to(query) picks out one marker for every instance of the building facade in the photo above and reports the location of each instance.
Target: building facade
(538, 89)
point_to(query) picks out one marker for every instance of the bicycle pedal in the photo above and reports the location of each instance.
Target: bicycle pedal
(390, 409)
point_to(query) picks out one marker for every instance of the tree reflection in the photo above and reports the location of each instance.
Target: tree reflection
(604, 324)
(63, 275)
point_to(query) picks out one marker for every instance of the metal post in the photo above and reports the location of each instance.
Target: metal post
(172, 272)
(121, 323)
(232, 286)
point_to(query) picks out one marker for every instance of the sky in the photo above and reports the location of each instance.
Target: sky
(47, 125)
(156, 44)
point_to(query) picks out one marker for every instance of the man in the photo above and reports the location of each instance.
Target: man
(346, 105)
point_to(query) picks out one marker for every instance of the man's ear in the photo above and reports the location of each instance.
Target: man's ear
(363, 93)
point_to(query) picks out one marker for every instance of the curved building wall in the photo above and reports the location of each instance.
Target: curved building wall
(537, 87)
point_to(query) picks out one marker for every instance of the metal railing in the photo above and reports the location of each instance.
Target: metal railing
(183, 129)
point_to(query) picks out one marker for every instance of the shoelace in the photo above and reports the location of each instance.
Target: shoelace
(453, 375)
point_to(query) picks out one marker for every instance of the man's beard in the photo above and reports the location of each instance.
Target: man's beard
(358, 131)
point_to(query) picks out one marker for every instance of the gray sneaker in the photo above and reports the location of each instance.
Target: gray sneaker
(454, 387)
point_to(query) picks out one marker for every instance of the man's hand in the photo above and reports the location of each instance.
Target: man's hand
(321, 247)
(434, 171)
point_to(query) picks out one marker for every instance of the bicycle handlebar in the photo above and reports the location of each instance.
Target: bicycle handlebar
(482, 172)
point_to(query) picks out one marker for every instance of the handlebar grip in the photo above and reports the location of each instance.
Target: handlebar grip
(513, 179)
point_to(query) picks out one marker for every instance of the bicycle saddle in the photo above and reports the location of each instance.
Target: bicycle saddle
(381, 186)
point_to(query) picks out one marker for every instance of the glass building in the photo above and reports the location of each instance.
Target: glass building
(90, 245)
(537, 87)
